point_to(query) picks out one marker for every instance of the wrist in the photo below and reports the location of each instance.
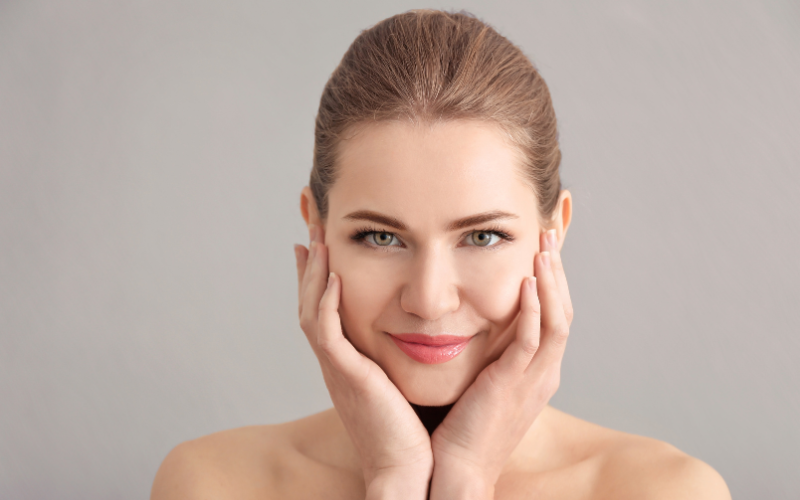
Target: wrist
(406, 485)
(460, 483)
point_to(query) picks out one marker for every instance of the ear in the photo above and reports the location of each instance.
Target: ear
(308, 207)
(562, 216)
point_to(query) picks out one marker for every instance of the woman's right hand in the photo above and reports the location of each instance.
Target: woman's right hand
(392, 443)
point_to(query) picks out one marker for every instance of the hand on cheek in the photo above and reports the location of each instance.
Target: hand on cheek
(487, 423)
(393, 445)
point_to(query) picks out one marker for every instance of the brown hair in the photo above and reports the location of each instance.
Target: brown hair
(430, 65)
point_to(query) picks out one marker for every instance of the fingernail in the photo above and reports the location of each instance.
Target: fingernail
(297, 252)
(312, 229)
(330, 279)
(532, 283)
(551, 239)
(312, 250)
(546, 259)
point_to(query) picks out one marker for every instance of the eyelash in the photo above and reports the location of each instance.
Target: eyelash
(361, 234)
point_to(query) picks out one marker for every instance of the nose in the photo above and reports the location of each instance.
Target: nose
(431, 289)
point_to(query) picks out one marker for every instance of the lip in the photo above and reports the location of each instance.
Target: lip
(430, 349)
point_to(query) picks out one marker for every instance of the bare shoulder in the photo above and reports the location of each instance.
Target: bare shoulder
(648, 469)
(263, 461)
(213, 466)
(586, 460)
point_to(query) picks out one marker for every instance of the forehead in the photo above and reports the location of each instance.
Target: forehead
(419, 172)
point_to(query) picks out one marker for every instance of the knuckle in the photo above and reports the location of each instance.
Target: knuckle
(306, 323)
(325, 345)
(560, 335)
(329, 346)
(568, 312)
(531, 306)
(530, 347)
(551, 382)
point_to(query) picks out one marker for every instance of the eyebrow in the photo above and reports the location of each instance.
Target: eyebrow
(472, 220)
(376, 217)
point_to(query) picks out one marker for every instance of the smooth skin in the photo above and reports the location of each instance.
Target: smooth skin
(399, 253)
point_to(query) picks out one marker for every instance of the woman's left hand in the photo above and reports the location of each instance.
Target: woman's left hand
(475, 440)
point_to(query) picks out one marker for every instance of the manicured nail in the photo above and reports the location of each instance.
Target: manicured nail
(551, 239)
(546, 259)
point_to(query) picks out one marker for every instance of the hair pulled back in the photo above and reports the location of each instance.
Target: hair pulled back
(429, 65)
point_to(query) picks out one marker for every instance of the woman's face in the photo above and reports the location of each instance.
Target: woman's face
(432, 230)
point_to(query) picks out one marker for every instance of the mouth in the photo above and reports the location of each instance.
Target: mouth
(430, 349)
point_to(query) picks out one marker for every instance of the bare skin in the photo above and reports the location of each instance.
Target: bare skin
(570, 459)
(433, 229)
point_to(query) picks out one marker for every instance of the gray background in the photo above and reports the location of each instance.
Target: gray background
(151, 159)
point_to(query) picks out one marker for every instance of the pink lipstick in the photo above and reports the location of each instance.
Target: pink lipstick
(430, 349)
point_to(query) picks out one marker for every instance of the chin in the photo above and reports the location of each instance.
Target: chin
(438, 384)
(432, 399)
(432, 387)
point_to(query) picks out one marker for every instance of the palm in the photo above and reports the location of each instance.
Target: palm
(382, 425)
(494, 413)
(387, 413)
(477, 410)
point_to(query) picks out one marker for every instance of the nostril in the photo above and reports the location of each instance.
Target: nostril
(429, 304)
(430, 290)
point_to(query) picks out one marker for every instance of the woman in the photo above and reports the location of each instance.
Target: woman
(434, 297)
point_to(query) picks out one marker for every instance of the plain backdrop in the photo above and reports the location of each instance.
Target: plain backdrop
(151, 160)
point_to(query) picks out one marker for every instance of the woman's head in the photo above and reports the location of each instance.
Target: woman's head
(430, 66)
(435, 170)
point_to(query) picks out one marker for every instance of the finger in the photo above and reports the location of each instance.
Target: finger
(316, 277)
(519, 353)
(312, 251)
(558, 271)
(314, 286)
(330, 339)
(301, 259)
(312, 232)
(555, 328)
(317, 235)
(307, 271)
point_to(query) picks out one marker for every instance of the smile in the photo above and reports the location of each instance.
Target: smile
(429, 349)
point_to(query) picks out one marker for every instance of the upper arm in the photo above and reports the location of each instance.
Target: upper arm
(235, 464)
(187, 474)
(687, 477)
(653, 470)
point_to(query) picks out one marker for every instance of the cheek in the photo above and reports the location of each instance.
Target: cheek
(366, 293)
(493, 287)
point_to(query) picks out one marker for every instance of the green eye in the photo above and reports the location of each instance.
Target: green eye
(483, 238)
(383, 239)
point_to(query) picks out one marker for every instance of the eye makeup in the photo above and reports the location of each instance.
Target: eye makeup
(361, 235)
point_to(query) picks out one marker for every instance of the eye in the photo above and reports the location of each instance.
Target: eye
(483, 238)
(381, 239)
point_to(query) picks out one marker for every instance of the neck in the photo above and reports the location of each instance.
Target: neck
(431, 416)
